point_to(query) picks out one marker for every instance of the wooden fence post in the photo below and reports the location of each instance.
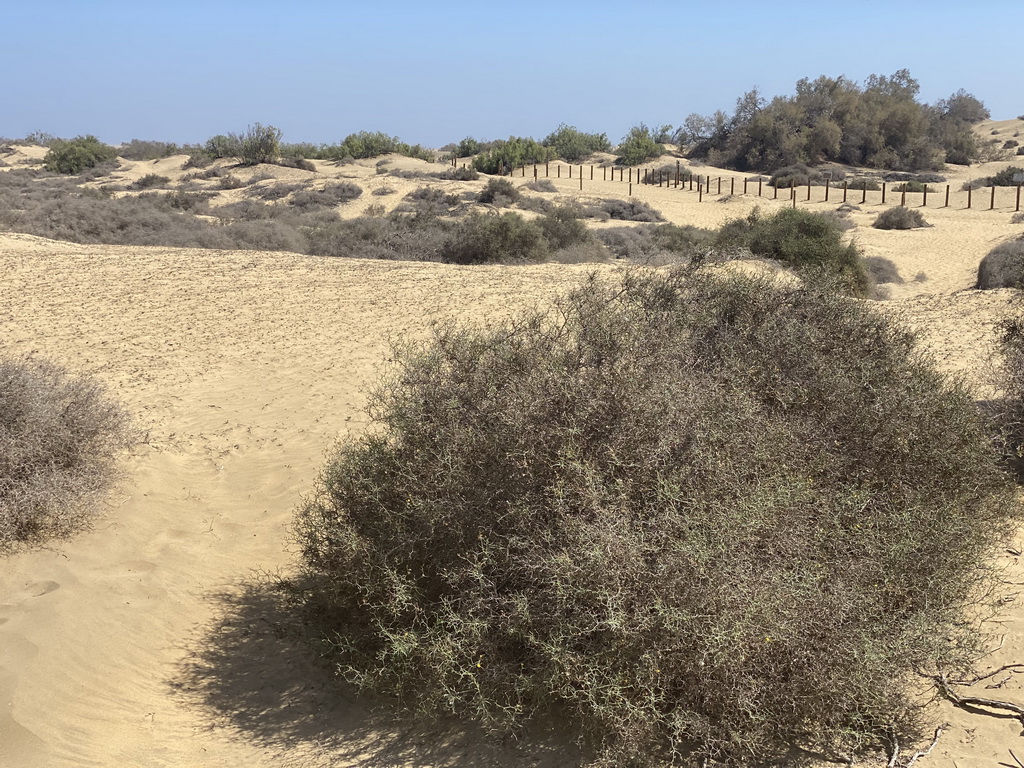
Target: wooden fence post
(604, 170)
(883, 193)
(591, 172)
(700, 191)
(969, 191)
(732, 185)
(570, 171)
(719, 185)
(924, 200)
(776, 195)
(631, 186)
(558, 169)
(744, 185)
(992, 204)
(792, 192)
(903, 197)
(845, 185)
(691, 182)
(677, 174)
(759, 182)
(827, 185)
(808, 190)
(947, 197)
(545, 169)
(1018, 198)
(864, 193)
(581, 177)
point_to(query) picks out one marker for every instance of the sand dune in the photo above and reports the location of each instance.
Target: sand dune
(148, 641)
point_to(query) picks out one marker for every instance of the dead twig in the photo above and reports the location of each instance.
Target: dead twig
(973, 702)
(993, 673)
(919, 754)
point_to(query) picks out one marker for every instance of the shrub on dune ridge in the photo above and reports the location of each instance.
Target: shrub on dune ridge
(688, 512)
(59, 438)
(810, 243)
(77, 155)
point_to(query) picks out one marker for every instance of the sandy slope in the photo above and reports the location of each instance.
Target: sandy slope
(145, 641)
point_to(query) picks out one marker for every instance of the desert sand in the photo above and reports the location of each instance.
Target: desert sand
(148, 640)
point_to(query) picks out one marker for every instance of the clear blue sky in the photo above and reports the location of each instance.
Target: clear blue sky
(435, 72)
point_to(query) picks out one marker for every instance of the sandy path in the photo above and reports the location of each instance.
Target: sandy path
(243, 369)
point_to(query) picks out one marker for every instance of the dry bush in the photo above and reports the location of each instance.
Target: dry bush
(656, 245)
(1008, 410)
(138, 149)
(299, 163)
(429, 201)
(563, 228)
(689, 513)
(230, 181)
(900, 217)
(330, 196)
(1003, 266)
(407, 238)
(541, 185)
(495, 239)
(151, 180)
(499, 192)
(275, 191)
(882, 270)
(630, 210)
(60, 436)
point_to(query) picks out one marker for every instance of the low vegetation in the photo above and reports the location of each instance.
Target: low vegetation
(693, 514)
(60, 436)
(899, 217)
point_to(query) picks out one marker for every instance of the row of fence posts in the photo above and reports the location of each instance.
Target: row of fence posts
(704, 184)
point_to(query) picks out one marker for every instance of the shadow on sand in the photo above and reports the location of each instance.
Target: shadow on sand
(253, 675)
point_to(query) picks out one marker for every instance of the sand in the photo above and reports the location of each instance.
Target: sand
(148, 640)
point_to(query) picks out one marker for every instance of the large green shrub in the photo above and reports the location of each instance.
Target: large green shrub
(259, 144)
(810, 243)
(60, 436)
(572, 145)
(368, 144)
(504, 156)
(77, 155)
(686, 511)
(638, 146)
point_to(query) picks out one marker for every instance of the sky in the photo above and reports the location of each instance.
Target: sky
(436, 72)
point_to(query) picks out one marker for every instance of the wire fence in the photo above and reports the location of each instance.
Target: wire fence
(857, 191)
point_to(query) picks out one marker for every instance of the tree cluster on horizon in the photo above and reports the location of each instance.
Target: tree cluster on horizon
(880, 124)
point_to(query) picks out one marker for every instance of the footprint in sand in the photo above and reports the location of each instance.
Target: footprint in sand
(40, 588)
